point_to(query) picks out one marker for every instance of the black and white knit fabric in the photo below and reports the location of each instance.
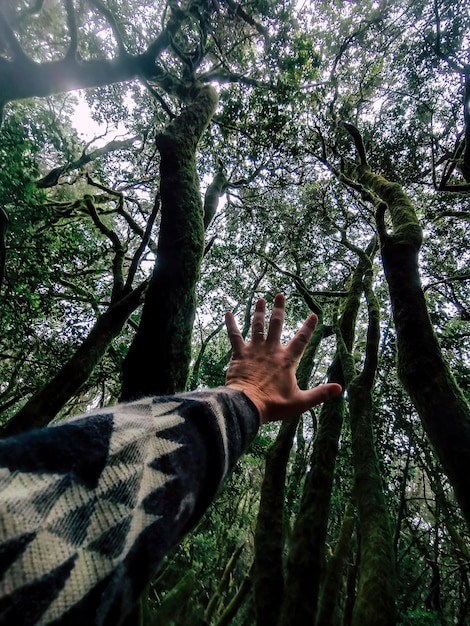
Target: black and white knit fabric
(91, 505)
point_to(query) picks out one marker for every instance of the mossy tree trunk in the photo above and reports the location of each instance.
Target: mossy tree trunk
(377, 561)
(329, 609)
(158, 358)
(305, 565)
(269, 536)
(422, 368)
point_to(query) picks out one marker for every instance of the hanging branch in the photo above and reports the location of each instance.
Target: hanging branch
(144, 243)
(119, 250)
(73, 31)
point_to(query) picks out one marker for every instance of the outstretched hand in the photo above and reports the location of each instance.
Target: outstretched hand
(265, 370)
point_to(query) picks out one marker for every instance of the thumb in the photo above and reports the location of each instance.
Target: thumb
(320, 394)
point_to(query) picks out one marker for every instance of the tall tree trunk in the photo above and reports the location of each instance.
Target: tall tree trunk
(307, 551)
(269, 537)
(47, 402)
(329, 613)
(377, 560)
(422, 368)
(158, 359)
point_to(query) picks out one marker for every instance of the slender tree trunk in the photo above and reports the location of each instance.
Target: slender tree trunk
(47, 402)
(269, 536)
(158, 359)
(305, 565)
(425, 374)
(216, 599)
(329, 607)
(377, 571)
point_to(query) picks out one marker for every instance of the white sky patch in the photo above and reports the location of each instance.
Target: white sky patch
(88, 129)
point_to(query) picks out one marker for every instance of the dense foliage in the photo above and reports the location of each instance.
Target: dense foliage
(334, 167)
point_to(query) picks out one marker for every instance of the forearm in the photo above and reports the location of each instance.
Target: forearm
(89, 507)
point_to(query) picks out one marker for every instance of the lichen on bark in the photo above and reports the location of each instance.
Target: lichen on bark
(422, 368)
(158, 359)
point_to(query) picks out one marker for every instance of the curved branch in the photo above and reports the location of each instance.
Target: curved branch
(145, 241)
(358, 142)
(119, 250)
(109, 16)
(52, 178)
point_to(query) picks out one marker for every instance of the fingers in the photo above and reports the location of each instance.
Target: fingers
(277, 320)
(234, 335)
(257, 325)
(298, 343)
(320, 394)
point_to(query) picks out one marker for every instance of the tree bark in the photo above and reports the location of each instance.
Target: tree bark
(268, 575)
(423, 370)
(329, 613)
(158, 358)
(377, 577)
(305, 565)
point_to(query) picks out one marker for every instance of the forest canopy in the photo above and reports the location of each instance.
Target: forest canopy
(318, 149)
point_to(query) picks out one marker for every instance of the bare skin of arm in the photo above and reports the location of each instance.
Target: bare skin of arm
(264, 369)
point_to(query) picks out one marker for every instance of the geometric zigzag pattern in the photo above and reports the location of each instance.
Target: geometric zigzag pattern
(94, 527)
(69, 516)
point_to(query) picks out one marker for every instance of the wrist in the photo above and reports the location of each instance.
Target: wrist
(254, 395)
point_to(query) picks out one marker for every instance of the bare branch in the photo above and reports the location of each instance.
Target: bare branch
(73, 31)
(145, 241)
(52, 178)
(159, 99)
(119, 251)
(110, 18)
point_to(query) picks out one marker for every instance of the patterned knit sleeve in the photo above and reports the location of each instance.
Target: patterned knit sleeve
(90, 506)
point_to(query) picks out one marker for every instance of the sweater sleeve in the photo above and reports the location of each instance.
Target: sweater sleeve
(90, 506)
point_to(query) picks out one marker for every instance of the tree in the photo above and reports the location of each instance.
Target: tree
(104, 244)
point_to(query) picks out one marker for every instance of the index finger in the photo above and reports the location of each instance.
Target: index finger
(299, 342)
(236, 340)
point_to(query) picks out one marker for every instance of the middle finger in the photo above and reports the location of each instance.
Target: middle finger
(257, 325)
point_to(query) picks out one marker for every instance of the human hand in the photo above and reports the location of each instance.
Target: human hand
(265, 370)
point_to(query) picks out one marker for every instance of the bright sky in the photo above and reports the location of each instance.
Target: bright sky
(89, 129)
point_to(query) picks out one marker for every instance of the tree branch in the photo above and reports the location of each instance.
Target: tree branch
(21, 78)
(52, 178)
(109, 16)
(145, 241)
(8, 37)
(119, 250)
(73, 31)
(358, 142)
